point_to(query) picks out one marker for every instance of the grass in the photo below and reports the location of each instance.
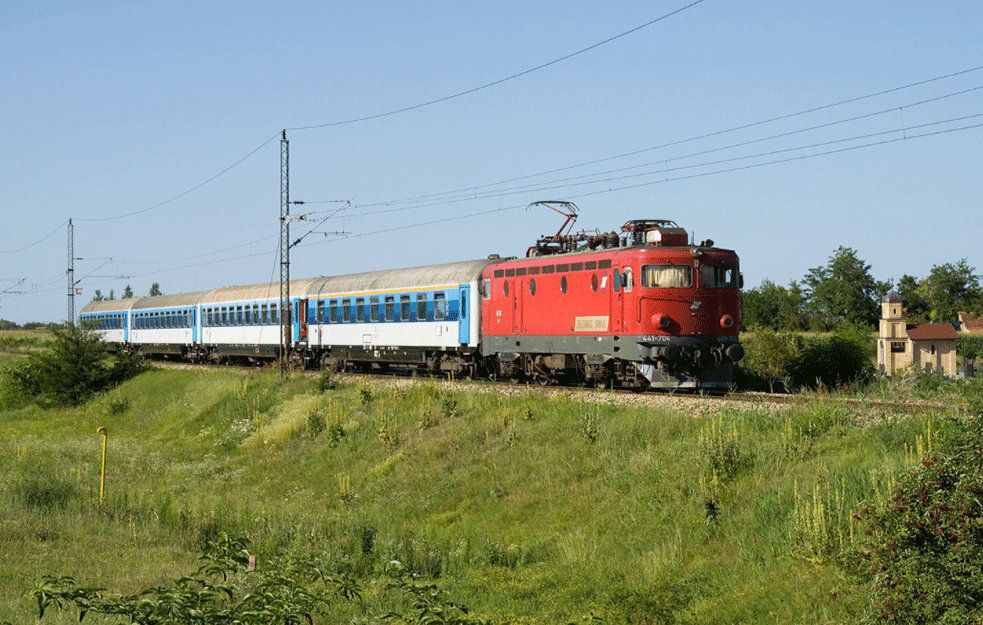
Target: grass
(525, 509)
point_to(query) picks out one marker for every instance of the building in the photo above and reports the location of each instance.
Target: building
(926, 346)
(970, 323)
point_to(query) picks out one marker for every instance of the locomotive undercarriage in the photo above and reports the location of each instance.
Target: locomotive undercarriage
(638, 362)
(600, 361)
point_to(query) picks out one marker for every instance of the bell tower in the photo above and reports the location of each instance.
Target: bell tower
(893, 349)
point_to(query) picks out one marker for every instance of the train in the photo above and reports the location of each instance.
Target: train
(643, 307)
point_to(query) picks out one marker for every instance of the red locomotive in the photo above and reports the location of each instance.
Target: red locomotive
(645, 307)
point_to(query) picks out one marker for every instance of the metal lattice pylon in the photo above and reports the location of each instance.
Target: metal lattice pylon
(285, 316)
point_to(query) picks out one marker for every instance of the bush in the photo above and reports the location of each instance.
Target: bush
(921, 556)
(840, 359)
(769, 360)
(783, 362)
(74, 367)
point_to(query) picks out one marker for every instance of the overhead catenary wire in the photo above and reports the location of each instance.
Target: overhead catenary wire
(712, 134)
(500, 81)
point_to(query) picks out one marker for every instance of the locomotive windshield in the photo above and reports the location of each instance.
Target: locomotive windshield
(667, 276)
(718, 276)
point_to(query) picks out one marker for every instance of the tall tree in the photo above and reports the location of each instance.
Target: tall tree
(127, 292)
(951, 288)
(155, 290)
(844, 290)
(912, 294)
(98, 296)
(773, 306)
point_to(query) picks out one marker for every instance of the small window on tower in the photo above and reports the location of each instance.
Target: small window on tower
(897, 347)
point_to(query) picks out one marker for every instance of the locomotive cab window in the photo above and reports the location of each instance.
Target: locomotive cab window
(718, 276)
(486, 288)
(667, 276)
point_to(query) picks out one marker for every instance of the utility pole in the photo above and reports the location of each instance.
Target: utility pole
(286, 321)
(71, 273)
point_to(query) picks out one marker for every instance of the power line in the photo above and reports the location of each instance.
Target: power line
(700, 137)
(494, 83)
(181, 195)
(38, 242)
(704, 174)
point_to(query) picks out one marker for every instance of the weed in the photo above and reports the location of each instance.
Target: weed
(723, 455)
(589, 429)
(118, 405)
(325, 381)
(44, 490)
(315, 423)
(335, 433)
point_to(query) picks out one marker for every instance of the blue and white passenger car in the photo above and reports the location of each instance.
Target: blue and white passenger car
(425, 317)
(110, 319)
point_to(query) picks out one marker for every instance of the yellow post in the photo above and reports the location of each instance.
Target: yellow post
(102, 479)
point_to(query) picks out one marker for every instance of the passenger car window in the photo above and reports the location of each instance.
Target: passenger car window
(439, 307)
(404, 307)
(421, 306)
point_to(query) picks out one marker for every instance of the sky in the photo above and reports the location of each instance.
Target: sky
(421, 132)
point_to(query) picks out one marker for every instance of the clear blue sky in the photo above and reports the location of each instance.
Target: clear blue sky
(107, 108)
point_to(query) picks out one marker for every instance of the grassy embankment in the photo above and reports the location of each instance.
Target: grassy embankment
(526, 509)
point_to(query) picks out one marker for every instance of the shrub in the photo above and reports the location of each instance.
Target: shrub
(228, 588)
(922, 550)
(74, 367)
(769, 360)
(839, 359)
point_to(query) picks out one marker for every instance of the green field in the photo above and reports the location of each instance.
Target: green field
(525, 509)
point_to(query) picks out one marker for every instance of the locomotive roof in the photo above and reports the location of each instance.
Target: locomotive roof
(603, 250)
(418, 277)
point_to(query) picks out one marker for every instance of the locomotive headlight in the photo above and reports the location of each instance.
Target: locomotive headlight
(661, 320)
(726, 321)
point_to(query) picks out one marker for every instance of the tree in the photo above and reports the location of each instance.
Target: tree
(912, 294)
(98, 296)
(950, 289)
(127, 292)
(155, 290)
(844, 290)
(112, 295)
(773, 306)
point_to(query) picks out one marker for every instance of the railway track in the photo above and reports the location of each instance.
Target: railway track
(696, 404)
